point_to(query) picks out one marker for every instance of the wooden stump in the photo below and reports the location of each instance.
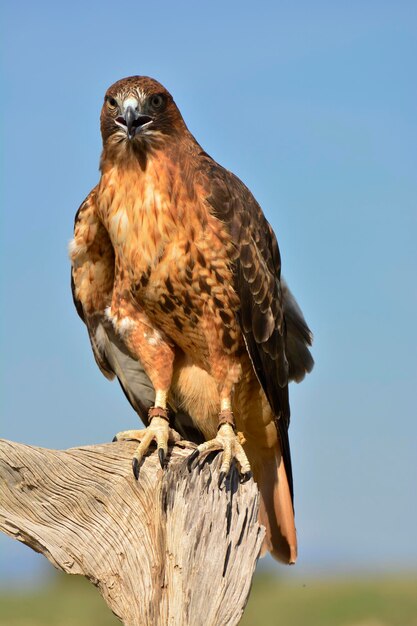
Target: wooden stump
(170, 549)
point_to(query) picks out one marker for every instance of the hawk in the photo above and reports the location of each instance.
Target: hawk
(177, 275)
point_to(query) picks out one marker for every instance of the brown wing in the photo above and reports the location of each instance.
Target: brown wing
(92, 276)
(257, 273)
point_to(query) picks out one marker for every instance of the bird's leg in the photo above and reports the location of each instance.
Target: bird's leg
(156, 354)
(227, 439)
(158, 431)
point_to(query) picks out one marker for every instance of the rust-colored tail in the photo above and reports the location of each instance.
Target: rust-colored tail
(276, 510)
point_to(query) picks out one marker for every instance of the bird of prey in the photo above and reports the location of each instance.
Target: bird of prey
(177, 275)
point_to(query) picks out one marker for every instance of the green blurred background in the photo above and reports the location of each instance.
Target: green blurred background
(72, 601)
(313, 105)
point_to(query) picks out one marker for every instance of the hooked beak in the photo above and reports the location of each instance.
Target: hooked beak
(133, 121)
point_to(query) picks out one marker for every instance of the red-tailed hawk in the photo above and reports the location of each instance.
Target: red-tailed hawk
(177, 272)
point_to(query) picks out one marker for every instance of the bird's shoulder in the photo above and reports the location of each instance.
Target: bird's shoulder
(231, 201)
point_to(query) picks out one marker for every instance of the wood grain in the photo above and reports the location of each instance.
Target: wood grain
(171, 549)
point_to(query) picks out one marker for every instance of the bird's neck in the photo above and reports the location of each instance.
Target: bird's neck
(143, 155)
(161, 178)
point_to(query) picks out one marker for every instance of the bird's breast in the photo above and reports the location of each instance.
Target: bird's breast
(138, 216)
(176, 256)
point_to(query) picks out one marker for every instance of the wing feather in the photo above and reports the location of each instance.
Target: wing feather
(92, 276)
(278, 352)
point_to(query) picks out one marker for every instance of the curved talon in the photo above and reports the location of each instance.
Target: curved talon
(161, 455)
(135, 467)
(228, 441)
(157, 431)
(245, 477)
(193, 456)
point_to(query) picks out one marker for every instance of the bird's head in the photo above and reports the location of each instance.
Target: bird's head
(138, 113)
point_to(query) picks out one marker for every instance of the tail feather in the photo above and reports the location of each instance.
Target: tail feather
(276, 511)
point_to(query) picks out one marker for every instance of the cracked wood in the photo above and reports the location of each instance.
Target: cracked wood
(171, 548)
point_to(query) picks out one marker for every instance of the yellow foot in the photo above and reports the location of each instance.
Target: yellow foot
(228, 441)
(158, 431)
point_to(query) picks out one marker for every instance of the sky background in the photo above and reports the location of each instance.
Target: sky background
(313, 106)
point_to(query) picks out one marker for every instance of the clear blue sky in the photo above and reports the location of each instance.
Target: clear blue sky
(313, 105)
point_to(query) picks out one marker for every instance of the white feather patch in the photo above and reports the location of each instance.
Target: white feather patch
(153, 338)
(130, 102)
(121, 325)
(101, 338)
(125, 325)
(74, 249)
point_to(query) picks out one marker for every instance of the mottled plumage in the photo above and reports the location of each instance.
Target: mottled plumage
(177, 275)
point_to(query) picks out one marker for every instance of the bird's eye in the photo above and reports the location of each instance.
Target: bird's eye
(157, 101)
(112, 102)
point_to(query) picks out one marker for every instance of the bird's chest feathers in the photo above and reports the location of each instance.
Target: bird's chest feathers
(171, 254)
(137, 212)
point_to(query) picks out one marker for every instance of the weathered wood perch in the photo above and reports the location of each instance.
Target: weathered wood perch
(172, 548)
